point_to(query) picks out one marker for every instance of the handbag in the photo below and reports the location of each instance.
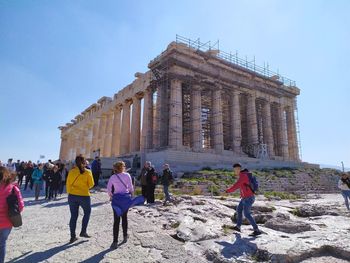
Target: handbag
(14, 213)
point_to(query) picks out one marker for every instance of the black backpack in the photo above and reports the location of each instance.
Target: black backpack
(13, 209)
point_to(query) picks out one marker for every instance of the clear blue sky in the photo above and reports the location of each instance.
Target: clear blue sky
(58, 57)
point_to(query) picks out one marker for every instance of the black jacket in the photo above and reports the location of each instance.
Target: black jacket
(167, 177)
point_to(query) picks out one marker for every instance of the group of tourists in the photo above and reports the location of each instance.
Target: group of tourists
(120, 188)
(37, 176)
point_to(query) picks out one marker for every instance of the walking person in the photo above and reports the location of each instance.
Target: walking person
(28, 170)
(166, 180)
(37, 177)
(64, 173)
(151, 179)
(120, 190)
(344, 186)
(96, 169)
(79, 182)
(55, 182)
(247, 199)
(143, 179)
(47, 176)
(6, 188)
(20, 173)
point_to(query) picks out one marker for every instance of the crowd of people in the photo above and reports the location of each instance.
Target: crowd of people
(54, 176)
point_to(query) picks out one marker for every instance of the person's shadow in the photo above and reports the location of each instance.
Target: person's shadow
(241, 246)
(98, 257)
(44, 255)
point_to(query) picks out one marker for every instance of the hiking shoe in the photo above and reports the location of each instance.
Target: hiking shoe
(236, 228)
(255, 233)
(114, 245)
(84, 235)
(73, 239)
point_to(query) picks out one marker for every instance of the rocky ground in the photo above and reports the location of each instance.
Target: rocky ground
(194, 229)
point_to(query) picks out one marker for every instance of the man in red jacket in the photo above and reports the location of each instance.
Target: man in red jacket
(247, 199)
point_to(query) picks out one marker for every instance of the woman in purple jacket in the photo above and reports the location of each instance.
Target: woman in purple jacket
(120, 189)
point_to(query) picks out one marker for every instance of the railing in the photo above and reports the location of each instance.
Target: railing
(234, 59)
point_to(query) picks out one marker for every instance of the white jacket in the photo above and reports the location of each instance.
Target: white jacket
(342, 186)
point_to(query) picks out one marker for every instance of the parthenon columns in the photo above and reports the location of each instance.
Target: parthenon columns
(95, 129)
(175, 129)
(283, 132)
(125, 129)
(107, 142)
(102, 132)
(268, 135)
(236, 124)
(217, 121)
(196, 125)
(291, 133)
(136, 124)
(116, 131)
(252, 120)
(88, 141)
(147, 121)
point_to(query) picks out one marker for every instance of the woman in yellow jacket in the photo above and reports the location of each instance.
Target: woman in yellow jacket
(79, 182)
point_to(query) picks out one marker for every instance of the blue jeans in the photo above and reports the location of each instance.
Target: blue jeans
(4, 233)
(346, 195)
(244, 207)
(166, 192)
(74, 202)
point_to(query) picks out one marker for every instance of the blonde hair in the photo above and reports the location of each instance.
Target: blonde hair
(119, 166)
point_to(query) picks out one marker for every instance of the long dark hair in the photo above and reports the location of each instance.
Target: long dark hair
(80, 162)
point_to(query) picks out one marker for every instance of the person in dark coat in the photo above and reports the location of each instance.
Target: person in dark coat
(55, 183)
(142, 178)
(64, 172)
(47, 177)
(152, 179)
(28, 170)
(96, 170)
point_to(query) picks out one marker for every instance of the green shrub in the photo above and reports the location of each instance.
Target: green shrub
(282, 195)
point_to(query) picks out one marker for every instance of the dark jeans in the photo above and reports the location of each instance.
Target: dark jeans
(96, 178)
(61, 188)
(37, 187)
(28, 180)
(150, 193)
(144, 191)
(244, 207)
(20, 180)
(117, 223)
(4, 233)
(53, 192)
(47, 189)
(74, 202)
(166, 192)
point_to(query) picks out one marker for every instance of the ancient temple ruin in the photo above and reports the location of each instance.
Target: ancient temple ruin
(196, 106)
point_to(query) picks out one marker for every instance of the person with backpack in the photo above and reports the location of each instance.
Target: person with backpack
(6, 188)
(248, 185)
(166, 180)
(79, 182)
(344, 186)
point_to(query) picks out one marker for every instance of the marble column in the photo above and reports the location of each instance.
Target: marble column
(283, 132)
(175, 115)
(107, 144)
(135, 124)
(236, 124)
(88, 141)
(267, 128)
(125, 129)
(252, 120)
(292, 134)
(95, 129)
(102, 132)
(116, 131)
(196, 117)
(63, 147)
(218, 133)
(147, 122)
